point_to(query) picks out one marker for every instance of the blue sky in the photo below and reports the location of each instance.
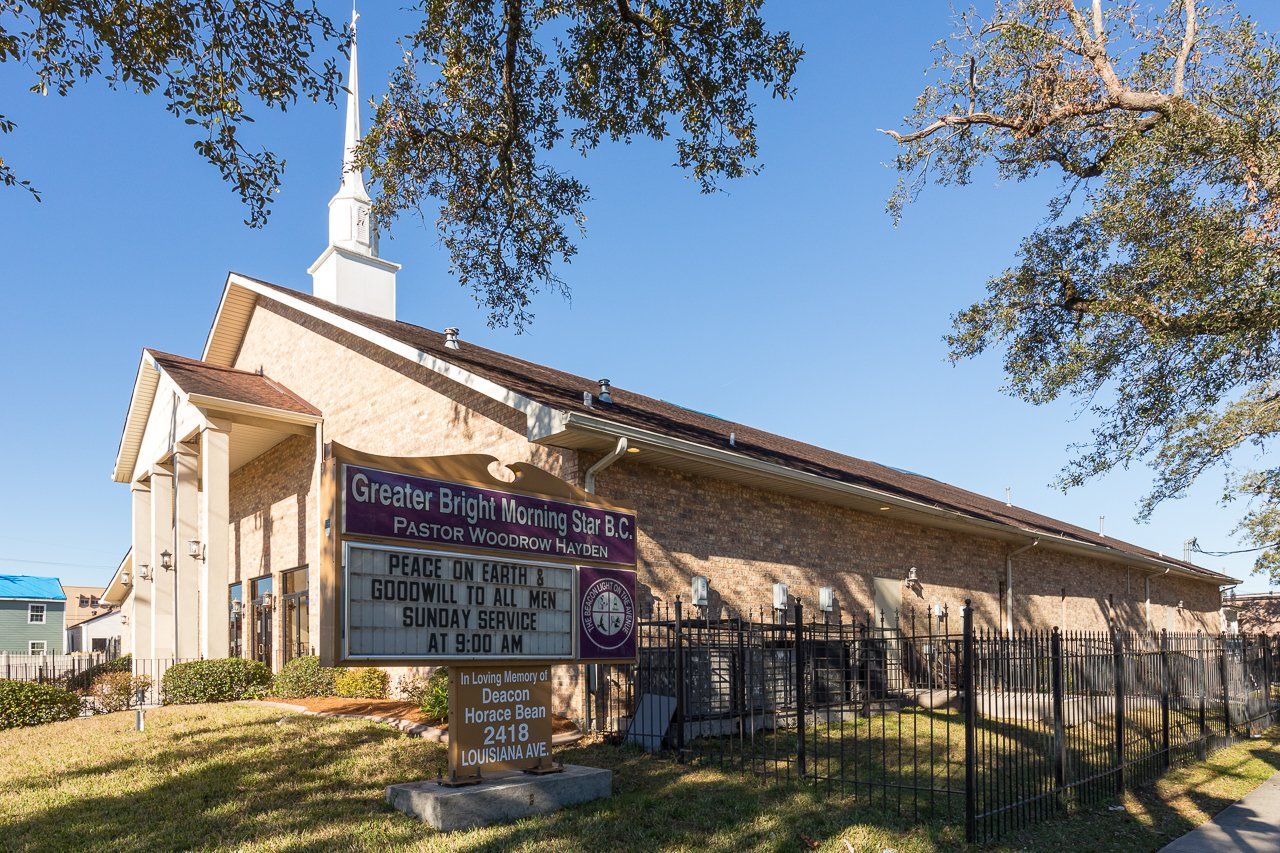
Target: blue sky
(788, 302)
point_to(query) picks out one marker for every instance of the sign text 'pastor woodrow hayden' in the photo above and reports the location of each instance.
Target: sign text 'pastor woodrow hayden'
(410, 603)
(392, 505)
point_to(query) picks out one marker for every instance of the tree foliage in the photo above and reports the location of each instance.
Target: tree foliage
(486, 93)
(206, 58)
(488, 90)
(1151, 290)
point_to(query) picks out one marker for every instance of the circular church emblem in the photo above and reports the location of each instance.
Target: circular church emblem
(608, 613)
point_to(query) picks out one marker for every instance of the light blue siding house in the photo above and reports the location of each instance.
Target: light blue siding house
(32, 615)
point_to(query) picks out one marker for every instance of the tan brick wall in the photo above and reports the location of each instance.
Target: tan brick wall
(743, 540)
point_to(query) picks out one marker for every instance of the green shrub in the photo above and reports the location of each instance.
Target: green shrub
(117, 691)
(361, 682)
(302, 677)
(82, 681)
(434, 701)
(218, 680)
(25, 703)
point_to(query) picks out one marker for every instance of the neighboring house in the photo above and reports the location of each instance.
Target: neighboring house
(1254, 612)
(83, 602)
(98, 634)
(32, 615)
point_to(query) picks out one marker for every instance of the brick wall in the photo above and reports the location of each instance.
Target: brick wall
(743, 540)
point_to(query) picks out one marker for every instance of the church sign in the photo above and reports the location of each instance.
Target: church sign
(435, 560)
(412, 603)
(400, 506)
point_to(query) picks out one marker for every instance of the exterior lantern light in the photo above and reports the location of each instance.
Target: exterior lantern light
(913, 576)
(124, 618)
(166, 561)
(781, 596)
(827, 599)
(698, 591)
(195, 548)
(144, 571)
(125, 579)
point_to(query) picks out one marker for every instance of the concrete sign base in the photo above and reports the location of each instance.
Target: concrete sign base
(503, 796)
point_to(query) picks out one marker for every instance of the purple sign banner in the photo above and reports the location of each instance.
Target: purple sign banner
(419, 509)
(606, 614)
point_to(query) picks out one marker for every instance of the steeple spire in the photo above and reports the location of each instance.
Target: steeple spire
(349, 272)
(353, 178)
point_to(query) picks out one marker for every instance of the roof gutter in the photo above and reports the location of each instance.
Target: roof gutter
(725, 458)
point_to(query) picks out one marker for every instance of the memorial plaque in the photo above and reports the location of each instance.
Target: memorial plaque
(407, 603)
(499, 719)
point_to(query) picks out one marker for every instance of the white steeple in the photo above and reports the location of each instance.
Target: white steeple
(349, 272)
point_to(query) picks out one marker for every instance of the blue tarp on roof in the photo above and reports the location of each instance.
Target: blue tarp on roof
(25, 586)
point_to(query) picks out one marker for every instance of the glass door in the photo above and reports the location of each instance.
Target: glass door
(262, 619)
(297, 616)
(235, 620)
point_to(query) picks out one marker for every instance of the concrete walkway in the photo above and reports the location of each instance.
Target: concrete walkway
(1250, 826)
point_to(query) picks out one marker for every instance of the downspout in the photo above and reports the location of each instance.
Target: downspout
(1008, 582)
(1146, 605)
(612, 457)
(589, 484)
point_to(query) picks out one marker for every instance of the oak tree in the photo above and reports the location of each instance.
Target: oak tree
(468, 130)
(1150, 293)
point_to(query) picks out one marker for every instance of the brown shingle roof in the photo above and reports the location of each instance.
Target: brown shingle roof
(564, 391)
(197, 377)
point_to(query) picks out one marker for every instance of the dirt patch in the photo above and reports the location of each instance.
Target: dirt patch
(395, 710)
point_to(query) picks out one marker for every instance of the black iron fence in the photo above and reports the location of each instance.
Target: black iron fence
(992, 729)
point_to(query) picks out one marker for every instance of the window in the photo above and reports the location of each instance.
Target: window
(37, 647)
(99, 644)
(35, 614)
(84, 601)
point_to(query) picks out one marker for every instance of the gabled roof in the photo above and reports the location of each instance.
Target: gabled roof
(28, 587)
(563, 392)
(201, 383)
(196, 377)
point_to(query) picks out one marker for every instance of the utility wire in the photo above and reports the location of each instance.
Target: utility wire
(53, 563)
(1195, 548)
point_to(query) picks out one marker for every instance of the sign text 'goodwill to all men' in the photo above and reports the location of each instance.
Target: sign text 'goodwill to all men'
(402, 506)
(410, 603)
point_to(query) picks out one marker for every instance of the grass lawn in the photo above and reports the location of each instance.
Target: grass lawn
(257, 778)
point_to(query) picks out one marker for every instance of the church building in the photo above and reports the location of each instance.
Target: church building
(222, 453)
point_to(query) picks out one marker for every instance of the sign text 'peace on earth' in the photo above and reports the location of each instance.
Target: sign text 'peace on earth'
(420, 604)
(402, 506)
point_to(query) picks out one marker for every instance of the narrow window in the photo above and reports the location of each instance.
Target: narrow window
(35, 614)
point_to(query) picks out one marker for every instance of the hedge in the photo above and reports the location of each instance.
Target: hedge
(361, 682)
(218, 680)
(82, 681)
(117, 691)
(26, 703)
(303, 677)
(434, 700)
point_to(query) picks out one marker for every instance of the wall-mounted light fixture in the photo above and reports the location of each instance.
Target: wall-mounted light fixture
(913, 575)
(124, 618)
(698, 591)
(144, 571)
(195, 548)
(781, 596)
(166, 561)
(125, 579)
